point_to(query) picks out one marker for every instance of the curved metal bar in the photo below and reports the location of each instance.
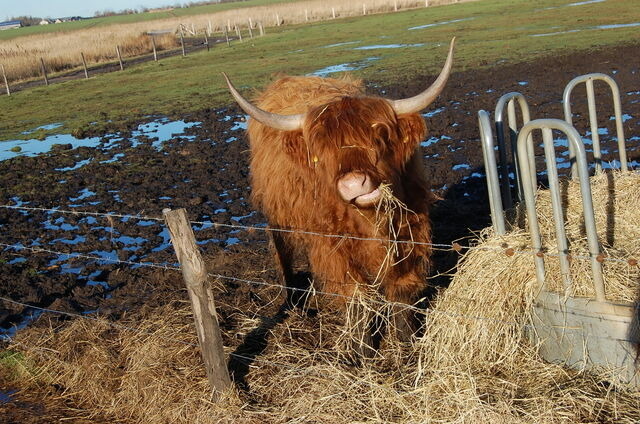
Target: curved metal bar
(588, 79)
(525, 148)
(491, 170)
(509, 101)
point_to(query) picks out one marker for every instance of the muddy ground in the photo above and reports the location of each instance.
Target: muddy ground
(205, 170)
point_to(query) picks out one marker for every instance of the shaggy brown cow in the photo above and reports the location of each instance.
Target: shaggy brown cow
(320, 150)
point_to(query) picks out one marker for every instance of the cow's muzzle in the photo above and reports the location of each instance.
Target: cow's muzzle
(358, 188)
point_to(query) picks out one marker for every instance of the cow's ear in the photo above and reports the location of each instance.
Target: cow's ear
(411, 131)
(294, 145)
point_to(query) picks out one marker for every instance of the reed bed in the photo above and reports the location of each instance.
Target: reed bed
(61, 50)
(473, 362)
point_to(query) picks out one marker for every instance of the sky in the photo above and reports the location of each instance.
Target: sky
(62, 8)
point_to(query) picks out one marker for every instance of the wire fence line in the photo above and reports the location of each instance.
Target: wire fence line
(496, 321)
(307, 291)
(457, 247)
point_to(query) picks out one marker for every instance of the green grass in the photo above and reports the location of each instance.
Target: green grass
(14, 365)
(490, 32)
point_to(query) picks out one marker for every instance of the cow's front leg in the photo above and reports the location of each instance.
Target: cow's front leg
(402, 292)
(403, 322)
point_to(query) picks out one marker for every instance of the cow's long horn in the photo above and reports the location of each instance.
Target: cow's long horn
(424, 99)
(273, 120)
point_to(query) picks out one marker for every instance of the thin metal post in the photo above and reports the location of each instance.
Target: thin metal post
(556, 206)
(44, 71)
(508, 100)
(593, 123)
(493, 185)
(6, 83)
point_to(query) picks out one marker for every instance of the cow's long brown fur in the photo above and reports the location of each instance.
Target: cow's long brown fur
(294, 176)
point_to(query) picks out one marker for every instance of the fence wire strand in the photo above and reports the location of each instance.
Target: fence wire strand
(435, 246)
(311, 291)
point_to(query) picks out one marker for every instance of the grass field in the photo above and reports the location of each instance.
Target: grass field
(62, 50)
(489, 32)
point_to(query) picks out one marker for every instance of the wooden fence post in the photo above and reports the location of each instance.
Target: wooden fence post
(184, 53)
(6, 83)
(204, 309)
(364, 9)
(84, 65)
(226, 35)
(333, 12)
(306, 15)
(155, 50)
(395, 5)
(206, 41)
(261, 28)
(250, 31)
(238, 33)
(119, 58)
(44, 71)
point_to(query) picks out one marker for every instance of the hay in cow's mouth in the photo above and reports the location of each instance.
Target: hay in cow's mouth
(393, 214)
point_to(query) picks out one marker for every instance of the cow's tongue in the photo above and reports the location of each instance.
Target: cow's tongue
(368, 199)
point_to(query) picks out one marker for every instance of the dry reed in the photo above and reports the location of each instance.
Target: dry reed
(472, 364)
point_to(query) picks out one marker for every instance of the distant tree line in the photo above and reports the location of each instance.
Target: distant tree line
(27, 20)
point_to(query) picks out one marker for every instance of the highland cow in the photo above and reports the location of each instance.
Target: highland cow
(322, 155)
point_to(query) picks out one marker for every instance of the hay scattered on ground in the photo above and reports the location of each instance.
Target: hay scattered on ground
(472, 364)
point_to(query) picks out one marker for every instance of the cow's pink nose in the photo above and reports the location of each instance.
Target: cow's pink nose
(358, 187)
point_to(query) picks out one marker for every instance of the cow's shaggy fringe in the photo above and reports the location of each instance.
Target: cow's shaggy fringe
(473, 363)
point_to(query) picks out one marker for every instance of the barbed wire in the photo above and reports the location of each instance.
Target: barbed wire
(310, 291)
(455, 246)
